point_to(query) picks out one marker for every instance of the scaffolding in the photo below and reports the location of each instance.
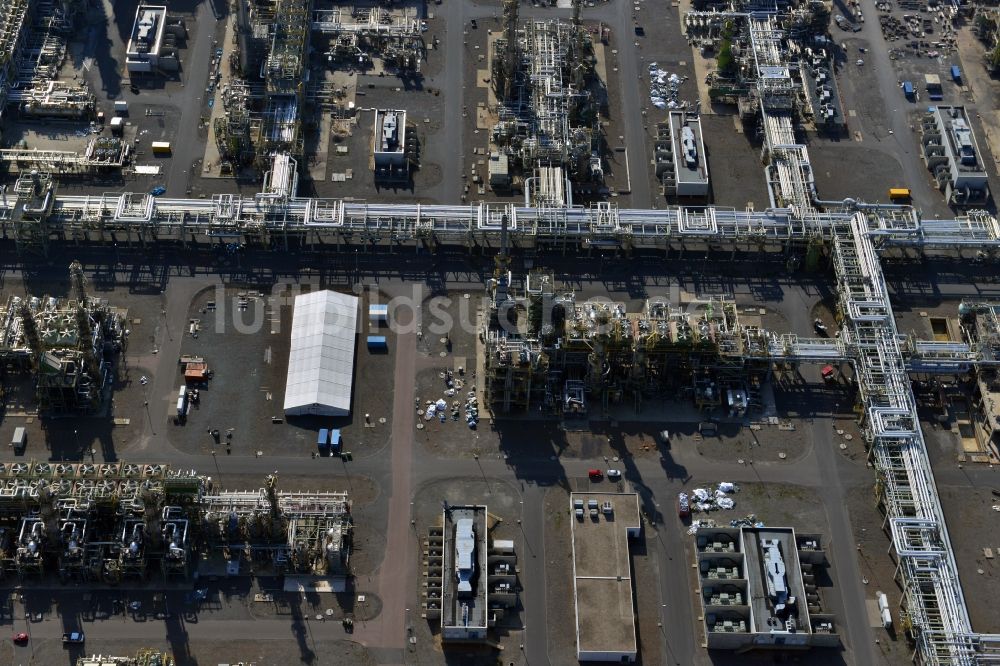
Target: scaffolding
(68, 346)
(301, 533)
(369, 33)
(547, 123)
(114, 521)
(144, 657)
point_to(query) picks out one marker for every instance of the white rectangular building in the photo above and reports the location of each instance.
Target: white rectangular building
(321, 360)
(952, 154)
(143, 51)
(602, 525)
(690, 163)
(465, 597)
(389, 145)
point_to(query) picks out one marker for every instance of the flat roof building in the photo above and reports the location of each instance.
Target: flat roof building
(321, 361)
(953, 155)
(681, 161)
(758, 589)
(143, 51)
(389, 145)
(465, 614)
(602, 525)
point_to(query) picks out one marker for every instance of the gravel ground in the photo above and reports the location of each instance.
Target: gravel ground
(871, 175)
(736, 442)
(247, 388)
(877, 567)
(967, 511)
(736, 175)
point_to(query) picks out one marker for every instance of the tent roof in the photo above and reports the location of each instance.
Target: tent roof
(321, 360)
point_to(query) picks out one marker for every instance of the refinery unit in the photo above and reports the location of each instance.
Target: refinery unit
(38, 92)
(144, 657)
(33, 46)
(269, 97)
(110, 522)
(543, 348)
(547, 128)
(69, 347)
(775, 63)
(545, 351)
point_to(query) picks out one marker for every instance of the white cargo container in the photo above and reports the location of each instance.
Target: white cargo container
(503, 547)
(182, 398)
(19, 440)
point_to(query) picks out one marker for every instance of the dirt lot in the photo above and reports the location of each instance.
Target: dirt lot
(736, 174)
(247, 387)
(736, 442)
(877, 567)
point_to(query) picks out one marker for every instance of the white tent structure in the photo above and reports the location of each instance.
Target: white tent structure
(321, 360)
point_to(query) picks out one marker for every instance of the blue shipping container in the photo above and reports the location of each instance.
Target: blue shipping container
(335, 440)
(323, 440)
(908, 89)
(956, 74)
(377, 343)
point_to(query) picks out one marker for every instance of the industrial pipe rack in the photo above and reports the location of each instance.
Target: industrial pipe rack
(933, 597)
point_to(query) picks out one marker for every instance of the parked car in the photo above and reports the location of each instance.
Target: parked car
(595, 475)
(683, 505)
(158, 190)
(21, 637)
(73, 638)
(614, 474)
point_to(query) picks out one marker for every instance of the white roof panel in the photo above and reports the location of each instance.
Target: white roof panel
(321, 360)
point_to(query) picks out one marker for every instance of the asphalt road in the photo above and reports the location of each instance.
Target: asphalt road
(897, 138)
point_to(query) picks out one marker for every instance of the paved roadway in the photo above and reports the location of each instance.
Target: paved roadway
(900, 141)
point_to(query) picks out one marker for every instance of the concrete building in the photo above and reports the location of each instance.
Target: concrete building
(758, 589)
(602, 525)
(465, 614)
(389, 146)
(321, 361)
(952, 154)
(471, 578)
(681, 161)
(152, 46)
(499, 171)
